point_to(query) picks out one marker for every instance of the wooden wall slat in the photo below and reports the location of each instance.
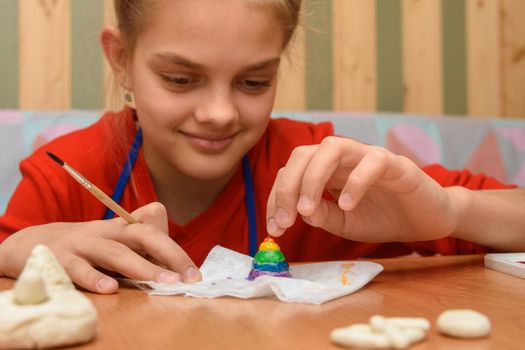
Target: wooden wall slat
(291, 88)
(9, 54)
(513, 103)
(112, 92)
(422, 59)
(44, 54)
(483, 57)
(86, 55)
(454, 57)
(354, 48)
(389, 56)
(319, 56)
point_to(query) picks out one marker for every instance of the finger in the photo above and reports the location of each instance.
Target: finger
(115, 256)
(335, 157)
(161, 248)
(87, 277)
(271, 224)
(328, 216)
(316, 175)
(288, 185)
(148, 240)
(368, 172)
(155, 214)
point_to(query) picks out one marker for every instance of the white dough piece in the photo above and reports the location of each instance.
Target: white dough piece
(402, 338)
(36, 315)
(379, 323)
(382, 332)
(360, 335)
(463, 323)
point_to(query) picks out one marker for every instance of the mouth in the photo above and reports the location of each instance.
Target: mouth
(209, 143)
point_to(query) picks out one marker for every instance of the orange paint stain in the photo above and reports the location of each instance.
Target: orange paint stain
(346, 268)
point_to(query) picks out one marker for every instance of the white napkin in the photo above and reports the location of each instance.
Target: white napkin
(225, 272)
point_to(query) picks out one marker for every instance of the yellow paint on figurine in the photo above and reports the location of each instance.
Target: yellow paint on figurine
(269, 244)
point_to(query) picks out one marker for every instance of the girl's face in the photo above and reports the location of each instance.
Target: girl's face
(203, 75)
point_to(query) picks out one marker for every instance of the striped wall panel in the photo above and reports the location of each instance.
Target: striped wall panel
(460, 57)
(484, 74)
(513, 58)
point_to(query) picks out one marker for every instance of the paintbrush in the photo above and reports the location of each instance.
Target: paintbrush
(95, 191)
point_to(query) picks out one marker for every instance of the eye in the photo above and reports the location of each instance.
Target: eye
(179, 80)
(254, 85)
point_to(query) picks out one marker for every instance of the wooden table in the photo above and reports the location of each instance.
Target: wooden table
(408, 287)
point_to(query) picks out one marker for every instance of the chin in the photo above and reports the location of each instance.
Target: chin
(211, 169)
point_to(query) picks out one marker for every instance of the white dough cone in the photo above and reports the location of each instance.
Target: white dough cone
(44, 309)
(30, 289)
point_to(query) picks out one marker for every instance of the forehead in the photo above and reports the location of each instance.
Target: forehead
(211, 29)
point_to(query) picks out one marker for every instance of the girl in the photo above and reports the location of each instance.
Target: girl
(201, 77)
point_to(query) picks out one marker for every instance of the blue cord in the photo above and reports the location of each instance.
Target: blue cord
(125, 174)
(250, 206)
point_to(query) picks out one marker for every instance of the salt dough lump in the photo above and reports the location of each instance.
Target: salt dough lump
(463, 323)
(44, 309)
(382, 333)
(360, 335)
(401, 332)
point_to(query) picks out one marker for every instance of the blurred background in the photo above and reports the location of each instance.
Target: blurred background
(432, 57)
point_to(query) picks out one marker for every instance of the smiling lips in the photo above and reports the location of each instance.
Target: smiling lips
(209, 144)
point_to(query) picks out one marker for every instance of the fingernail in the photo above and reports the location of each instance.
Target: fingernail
(282, 216)
(169, 277)
(106, 284)
(192, 274)
(345, 200)
(272, 227)
(304, 203)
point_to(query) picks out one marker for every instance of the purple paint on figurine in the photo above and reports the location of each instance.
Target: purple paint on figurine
(269, 261)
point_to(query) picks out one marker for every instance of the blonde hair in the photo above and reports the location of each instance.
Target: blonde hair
(133, 15)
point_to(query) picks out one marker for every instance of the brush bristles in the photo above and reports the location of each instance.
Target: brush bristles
(55, 158)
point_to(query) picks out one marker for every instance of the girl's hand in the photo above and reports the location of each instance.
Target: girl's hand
(112, 245)
(379, 196)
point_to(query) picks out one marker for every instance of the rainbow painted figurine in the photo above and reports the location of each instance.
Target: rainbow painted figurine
(269, 260)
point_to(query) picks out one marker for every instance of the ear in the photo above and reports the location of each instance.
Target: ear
(117, 56)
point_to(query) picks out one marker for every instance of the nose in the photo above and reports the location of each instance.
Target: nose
(218, 108)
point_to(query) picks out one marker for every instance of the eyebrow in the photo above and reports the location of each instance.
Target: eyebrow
(182, 61)
(264, 64)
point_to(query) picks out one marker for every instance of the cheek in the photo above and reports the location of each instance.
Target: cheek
(150, 95)
(158, 104)
(256, 109)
